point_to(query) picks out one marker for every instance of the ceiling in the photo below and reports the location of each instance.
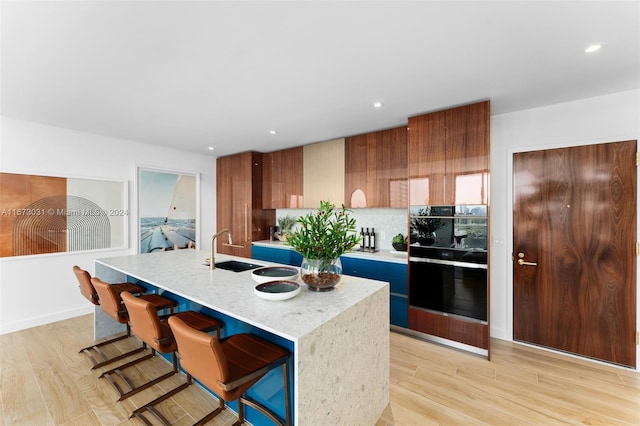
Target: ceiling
(193, 75)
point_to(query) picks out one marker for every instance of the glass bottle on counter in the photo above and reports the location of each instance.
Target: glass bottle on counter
(362, 239)
(366, 239)
(372, 239)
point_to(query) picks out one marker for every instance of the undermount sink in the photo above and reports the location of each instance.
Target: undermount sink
(236, 265)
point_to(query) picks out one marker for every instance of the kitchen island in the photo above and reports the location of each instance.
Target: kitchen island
(339, 339)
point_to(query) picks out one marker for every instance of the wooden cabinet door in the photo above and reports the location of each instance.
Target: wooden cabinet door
(426, 162)
(261, 218)
(449, 156)
(391, 165)
(323, 173)
(233, 203)
(239, 203)
(376, 169)
(282, 179)
(360, 170)
(467, 154)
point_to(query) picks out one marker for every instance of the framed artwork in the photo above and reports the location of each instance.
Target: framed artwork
(51, 214)
(168, 209)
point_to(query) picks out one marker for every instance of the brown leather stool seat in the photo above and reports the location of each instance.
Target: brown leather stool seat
(155, 332)
(111, 304)
(89, 292)
(94, 352)
(229, 367)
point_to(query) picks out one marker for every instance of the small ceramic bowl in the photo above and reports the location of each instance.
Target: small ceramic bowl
(274, 273)
(277, 290)
(400, 246)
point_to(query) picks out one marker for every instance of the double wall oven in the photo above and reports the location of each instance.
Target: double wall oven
(448, 261)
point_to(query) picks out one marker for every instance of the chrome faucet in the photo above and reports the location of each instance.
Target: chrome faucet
(212, 261)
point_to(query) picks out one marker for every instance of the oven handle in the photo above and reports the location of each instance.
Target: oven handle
(449, 262)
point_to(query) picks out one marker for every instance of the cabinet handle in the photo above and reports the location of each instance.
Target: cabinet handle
(246, 222)
(233, 245)
(522, 262)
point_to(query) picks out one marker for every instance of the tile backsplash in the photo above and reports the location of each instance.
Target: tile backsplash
(387, 222)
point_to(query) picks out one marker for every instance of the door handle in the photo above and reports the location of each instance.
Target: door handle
(521, 260)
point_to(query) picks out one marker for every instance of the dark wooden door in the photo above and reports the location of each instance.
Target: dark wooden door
(574, 239)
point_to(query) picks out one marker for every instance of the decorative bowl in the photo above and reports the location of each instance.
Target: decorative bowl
(400, 246)
(273, 273)
(277, 290)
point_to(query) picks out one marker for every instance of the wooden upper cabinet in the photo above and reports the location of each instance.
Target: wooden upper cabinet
(282, 179)
(449, 156)
(239, 203)
(426, 150)
(376, 169)
(323, 173)
(467, 151)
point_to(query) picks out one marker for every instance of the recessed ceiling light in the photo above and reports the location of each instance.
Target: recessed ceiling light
(593, 48)
(211, 148)
(377, 104)
(273, 132)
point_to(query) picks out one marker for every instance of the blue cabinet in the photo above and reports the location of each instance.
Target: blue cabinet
(276, 255)
(399, 310)
(396, 274)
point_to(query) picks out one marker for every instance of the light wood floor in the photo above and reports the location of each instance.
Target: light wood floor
(46, 382)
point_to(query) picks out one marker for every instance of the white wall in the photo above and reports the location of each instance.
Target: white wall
(610, 118)
(35, 290)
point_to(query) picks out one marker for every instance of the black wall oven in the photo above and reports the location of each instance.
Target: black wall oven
(448, 267)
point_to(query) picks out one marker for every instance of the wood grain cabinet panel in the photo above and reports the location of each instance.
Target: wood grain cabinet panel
(467, 154)
(282, 182)
(323, 173)
(376, 169)
(449, 156)
(239, 203)
(470, 333)
(426, 145)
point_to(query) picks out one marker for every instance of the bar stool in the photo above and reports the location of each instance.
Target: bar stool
(155, 332)
(229, 367)
(112, 305)
(89, 292)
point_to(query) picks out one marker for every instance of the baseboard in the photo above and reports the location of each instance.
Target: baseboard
(34, 322)
(501, 333)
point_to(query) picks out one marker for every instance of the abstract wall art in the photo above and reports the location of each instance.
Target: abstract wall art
(49, 214)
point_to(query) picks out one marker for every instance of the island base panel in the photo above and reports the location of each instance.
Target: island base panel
(344, 366)
(103, 324)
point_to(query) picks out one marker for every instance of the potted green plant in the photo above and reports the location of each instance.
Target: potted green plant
(399, 242)
(426, 226)
(285, 225)
(321, 238)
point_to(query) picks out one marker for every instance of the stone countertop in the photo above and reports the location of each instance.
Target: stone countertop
(382, 255)
(184, 273)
